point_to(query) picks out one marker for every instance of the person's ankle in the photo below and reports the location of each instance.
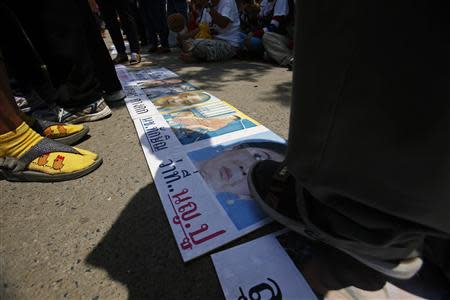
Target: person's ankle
(18, 141)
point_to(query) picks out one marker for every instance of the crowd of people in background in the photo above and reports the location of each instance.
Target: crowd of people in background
(205, 30)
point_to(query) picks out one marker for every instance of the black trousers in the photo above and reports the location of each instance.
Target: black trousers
(156, 19)
(177, 6)
(102, 63)
(110, 9)
(369, 141)
(140, 23)
(58, 34)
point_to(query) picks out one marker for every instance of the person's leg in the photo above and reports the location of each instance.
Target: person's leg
(212, 50)
(138, 17)
(109, 14)
(360, 130)
(23, 63)
(128, 23)
(147, 8)
(10, 117)
(160, 17)
(60, 41)
(369, 158)
(27, 156)
(276, 46)
(177, 6)
(102, 63)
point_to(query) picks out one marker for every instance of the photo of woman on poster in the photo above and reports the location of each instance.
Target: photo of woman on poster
(150, 83)
(167, 90)
(225, 171)
(180, 101)
(190, 126)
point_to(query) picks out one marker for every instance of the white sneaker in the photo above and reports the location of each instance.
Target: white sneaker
(95, 111)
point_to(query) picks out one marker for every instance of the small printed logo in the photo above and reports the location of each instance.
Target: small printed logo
(58, 162)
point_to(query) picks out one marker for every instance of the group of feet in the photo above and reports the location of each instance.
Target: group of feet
(39, 150)
(135, 58)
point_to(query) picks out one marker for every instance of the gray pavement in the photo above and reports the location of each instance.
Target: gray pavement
(105, 236)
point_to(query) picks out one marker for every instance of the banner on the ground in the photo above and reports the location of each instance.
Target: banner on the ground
(199, 150)
(260, 269)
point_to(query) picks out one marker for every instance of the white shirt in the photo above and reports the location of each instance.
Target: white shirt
(281, 8)
(230, 33)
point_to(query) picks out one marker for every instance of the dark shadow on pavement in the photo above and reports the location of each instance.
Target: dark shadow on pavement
(282, 93)
(140, 252)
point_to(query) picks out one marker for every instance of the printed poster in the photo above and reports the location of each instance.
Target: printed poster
(152, 73)
(124, 76)
(158, 139)
(205, 194)
(189, 119)
(167, 89)
(244, 271)
(199, 150)
(138, 104)
(183, 101)
(260, 269)
(206, 121)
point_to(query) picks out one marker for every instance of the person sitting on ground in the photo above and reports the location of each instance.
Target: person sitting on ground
(192, 16)
(223, 18)
(177, 24)
(249, 12)
(26, 155)
(275, 32)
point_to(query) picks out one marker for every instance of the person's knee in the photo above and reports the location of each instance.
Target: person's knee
(269, 37)
(272, 38)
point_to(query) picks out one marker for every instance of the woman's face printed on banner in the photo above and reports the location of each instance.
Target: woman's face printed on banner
(227, 172)
(190, 121)
(183, 99)
(145, 84)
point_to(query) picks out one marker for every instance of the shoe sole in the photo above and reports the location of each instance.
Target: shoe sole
(288, 222)
(33, 176)
(405, 270)
(72, 139)
(132, 63)
(91, 117)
